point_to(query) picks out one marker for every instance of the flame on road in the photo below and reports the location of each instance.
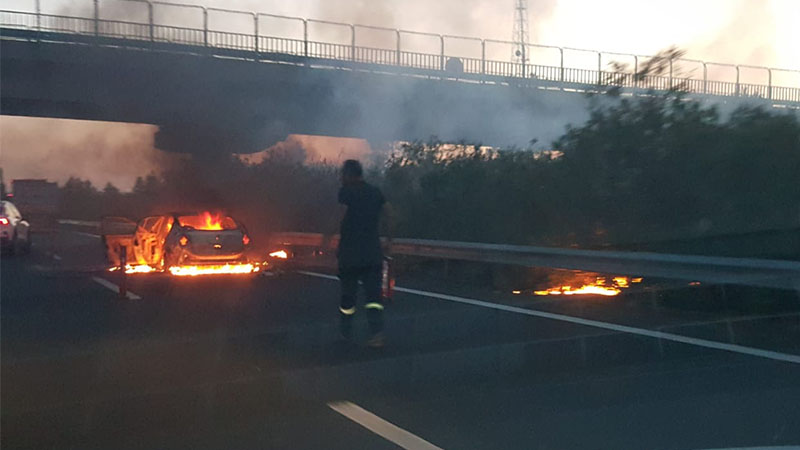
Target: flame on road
(600, 286)
(139, 268)
(280, 254)
(193, 271)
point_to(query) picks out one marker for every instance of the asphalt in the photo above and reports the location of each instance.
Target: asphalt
(253, 362)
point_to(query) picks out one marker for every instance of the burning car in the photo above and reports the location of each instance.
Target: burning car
(180, 243)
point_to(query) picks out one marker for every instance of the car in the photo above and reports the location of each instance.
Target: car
(15, 232)
(177, 239)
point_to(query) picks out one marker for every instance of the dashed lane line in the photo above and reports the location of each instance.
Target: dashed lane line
(111, 286)
(381, 427)
(91, 235)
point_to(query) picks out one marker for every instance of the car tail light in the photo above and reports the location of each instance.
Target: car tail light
(245, 239)
(183, 240)
(3, 221)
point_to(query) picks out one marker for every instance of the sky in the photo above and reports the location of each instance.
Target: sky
(748, 32)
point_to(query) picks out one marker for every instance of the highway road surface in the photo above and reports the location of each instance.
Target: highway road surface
(231, 362)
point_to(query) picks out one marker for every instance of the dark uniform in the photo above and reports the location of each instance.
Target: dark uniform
(360, 254)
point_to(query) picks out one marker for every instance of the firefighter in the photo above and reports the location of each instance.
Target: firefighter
(360, 254)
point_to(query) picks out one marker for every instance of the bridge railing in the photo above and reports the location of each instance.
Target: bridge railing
(747, 271)
(400, 55)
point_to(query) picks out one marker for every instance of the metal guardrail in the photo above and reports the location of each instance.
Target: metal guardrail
(745, 271)
(478, 65)
(81, 223)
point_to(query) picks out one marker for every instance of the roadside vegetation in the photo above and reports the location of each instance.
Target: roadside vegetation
(644, 169)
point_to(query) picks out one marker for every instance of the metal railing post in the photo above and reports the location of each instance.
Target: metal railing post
(352, 42)
(150, 20)
(305, 38)
(769, 85)
(561, 64)
(737, 80)
(599, 68)
(441, 52)
(38, 15)
(205, 26)
(524, 61)
(670, 73)
(399, 51)
(483, 57)
(255, 32)
(705, 78)
(96, 17)
(635, 71)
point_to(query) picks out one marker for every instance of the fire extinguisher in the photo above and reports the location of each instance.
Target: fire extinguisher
(387, 280)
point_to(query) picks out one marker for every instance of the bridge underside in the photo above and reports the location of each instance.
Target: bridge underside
(208, 104)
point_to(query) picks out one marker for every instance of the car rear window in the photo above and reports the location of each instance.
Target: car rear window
(208, 221)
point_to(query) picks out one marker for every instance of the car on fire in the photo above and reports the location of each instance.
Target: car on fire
(15, 232)
(169, 241)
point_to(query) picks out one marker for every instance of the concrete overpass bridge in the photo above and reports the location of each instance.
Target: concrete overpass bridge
(211, 90)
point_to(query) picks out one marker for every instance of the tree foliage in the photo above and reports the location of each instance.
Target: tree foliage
(640, 169)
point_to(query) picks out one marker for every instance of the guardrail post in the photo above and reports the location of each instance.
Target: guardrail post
(305, 38)
(96, 17)
(561, 54)
(731, 334)
(769, 86)
(205, 26)
(123, 276)
(399, 52)
(441, 52)
(352, 42)
(635, 71)
(255, 32)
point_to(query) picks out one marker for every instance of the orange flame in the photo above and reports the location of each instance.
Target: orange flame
(193, 271)
(280, 254)
(597, 287)
(139, 268)
(211, 222)
(205, 221)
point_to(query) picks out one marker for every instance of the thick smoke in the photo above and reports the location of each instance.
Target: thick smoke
(56, 149)
(45, 147)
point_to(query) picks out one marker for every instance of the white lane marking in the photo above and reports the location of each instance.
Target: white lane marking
(386, 430)
(785, 357)
(319, 275)
(105, 283)
(56, 257)
(82, 233)
(780, 447)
